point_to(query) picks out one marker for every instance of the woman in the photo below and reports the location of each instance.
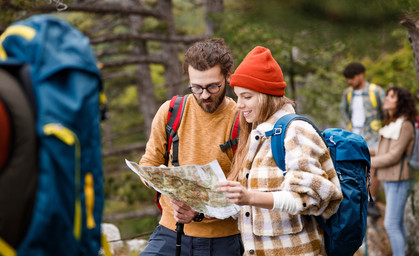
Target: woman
(271, 220)
(390, 158)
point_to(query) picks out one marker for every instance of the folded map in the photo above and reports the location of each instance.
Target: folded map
(193, 184)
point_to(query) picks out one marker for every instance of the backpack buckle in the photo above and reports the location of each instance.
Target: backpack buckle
(331, 140)
(274, 131)
(277, 131)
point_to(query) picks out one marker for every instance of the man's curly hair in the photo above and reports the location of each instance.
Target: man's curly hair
(206, 54)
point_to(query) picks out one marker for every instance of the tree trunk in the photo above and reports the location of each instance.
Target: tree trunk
(412, 25)
(147, 102)
(145, 89)
(172, 68)
(213, 10)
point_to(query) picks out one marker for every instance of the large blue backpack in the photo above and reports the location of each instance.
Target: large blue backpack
(52, 63)
(345, 230)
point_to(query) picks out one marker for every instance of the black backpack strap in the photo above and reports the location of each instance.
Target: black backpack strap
(18, 184)
(234, 136)
(21, 72)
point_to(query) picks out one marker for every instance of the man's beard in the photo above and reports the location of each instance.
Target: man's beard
(357, 86)
(215, 102)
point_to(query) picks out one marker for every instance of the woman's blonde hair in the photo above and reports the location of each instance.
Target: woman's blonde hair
(268, 105)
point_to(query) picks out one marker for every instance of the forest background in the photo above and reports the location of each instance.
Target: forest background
(139, 46)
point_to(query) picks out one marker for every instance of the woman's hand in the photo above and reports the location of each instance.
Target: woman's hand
(235, 192)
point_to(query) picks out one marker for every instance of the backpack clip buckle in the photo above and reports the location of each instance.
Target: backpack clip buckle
(277, 131)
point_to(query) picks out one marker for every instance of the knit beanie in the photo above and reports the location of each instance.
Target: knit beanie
(259, 72)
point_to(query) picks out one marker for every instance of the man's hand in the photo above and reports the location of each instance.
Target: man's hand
(182, 212)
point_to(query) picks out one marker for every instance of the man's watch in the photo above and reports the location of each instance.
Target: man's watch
(199, 217)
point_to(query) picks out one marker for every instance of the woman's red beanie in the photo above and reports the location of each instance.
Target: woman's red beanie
(259, 72)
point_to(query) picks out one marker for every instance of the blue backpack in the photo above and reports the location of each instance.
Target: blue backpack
(56, 71)
(345, 230)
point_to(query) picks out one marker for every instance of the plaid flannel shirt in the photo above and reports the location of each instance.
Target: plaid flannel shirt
(311, 180)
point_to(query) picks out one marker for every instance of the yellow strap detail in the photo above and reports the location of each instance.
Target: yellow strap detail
(26, 32)
(376, 125)
(105, 246)
(3, 55)
(349, 96)
(90, 200)
(372, 95)
(77, 220)
(63, 133)
(6, 249)
(102, 98)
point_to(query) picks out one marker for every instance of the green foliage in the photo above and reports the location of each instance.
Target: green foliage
(324, 36)
(123, 110)
(396, 68)
(128, 187)
(134, 227)
(188, 17)
(320, 97)
(157, 76)
(13, 9)
(80, 20)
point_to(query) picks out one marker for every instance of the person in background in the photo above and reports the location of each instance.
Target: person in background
(362, 112)
(277, 214)
(390, 161)
(206, 123)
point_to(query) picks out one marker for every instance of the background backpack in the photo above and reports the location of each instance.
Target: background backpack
(345, 230)
(52, 68)
(414, 158)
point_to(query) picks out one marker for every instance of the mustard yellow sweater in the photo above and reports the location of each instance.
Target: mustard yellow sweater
(200, 135)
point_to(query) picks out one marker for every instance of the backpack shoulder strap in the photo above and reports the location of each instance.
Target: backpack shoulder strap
(235, 132)
(278, 136)
(174, 117)
(234, 136)
(349, 95)
(373, 97)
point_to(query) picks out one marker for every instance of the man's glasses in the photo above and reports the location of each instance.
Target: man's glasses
(212, 89)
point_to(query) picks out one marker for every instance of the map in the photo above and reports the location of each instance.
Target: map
(193, 184)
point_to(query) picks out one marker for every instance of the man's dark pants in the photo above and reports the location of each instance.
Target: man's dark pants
(163, 242)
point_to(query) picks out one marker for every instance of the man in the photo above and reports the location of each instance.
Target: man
(362, 112)
(206, 123)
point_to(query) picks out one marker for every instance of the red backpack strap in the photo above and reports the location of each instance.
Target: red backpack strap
(177, 105)
(234, 136)
(235, 132)
(174, 116)
(170, 121)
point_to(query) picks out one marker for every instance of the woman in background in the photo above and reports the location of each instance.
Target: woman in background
(390, 159)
